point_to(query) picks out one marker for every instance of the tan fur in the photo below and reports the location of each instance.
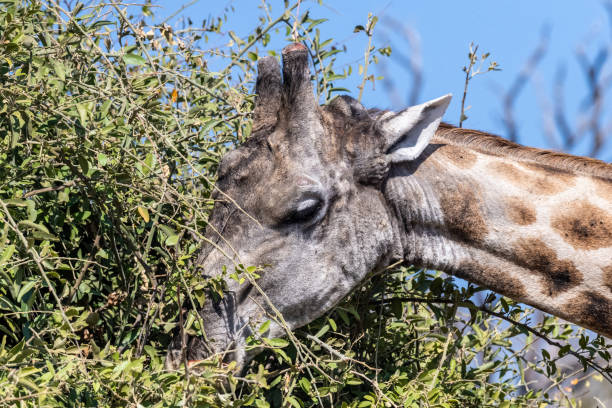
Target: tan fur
(607, 276)
(520, 212)
(531, 224)
(557, 275)
(495, 145)
(492, 277)
(603, 188)
(462, 158)
(462, 214)
(594, 310)
(536, 182)
(584, 225)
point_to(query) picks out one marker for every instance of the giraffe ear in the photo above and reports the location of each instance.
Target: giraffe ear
(407, 133)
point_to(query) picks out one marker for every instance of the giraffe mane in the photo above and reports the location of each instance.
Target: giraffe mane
(494, 145)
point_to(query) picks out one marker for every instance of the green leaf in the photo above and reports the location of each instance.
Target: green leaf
(332, 323)
(172, 240)
(84, 164)
(167, 231)
(305, 384)
(372, 24)
(33, 225)
(32, 214)
(293, 401)
(485, 367)
(264, 327)
(149, 164)
(276, 342)
(236, 39)
(25, 289)
(105, 108)
(171, 235)
(7, 253)
(102, 159)
(16, 202)
(59, 69)
(133, 59)
(322, 331)
(82, 110)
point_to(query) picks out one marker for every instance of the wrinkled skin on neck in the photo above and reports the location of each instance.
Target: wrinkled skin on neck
(300, 199)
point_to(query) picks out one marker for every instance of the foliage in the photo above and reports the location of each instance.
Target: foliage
(111, 129)
(471, 71)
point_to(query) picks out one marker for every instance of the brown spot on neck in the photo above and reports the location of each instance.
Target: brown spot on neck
(519, 211)
(496, 279)
(462, 214)
(458, 156)
(591, 310)
(603, 188)
(583, 225)
(535, 179)
(607, 276)
(557, 275)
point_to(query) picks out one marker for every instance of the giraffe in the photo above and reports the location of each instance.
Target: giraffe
(320, 196)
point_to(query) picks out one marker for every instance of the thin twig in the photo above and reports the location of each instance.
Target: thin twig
(442, 360)
(48, 189)
(339, 355)
(294, 31)
(94, 250)
(183, 7)
(468, 72)
(366, 63)
(183, 335)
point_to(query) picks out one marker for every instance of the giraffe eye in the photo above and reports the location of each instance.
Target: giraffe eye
(307, 209)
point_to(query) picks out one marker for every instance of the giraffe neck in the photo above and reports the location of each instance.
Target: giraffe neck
(538, 234)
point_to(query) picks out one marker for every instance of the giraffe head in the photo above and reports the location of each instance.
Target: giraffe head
(301, 199)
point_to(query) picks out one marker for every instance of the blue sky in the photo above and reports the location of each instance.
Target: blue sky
(508, 29)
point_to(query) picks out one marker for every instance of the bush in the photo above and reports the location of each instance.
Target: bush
(111, 132)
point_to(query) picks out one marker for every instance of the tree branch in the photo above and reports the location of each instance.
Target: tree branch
(502, 316)
(47, 189)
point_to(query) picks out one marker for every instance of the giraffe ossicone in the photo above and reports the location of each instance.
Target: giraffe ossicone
(320, 196)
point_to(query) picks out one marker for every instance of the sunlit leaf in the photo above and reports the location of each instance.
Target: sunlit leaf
(133, 59)
(144, 213)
